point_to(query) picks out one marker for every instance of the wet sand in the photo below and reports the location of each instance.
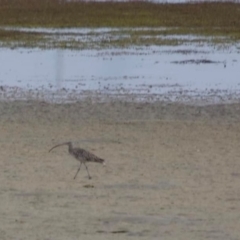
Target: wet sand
(172, 171)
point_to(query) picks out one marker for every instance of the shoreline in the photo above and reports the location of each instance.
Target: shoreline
(72, 96)
(117, 110)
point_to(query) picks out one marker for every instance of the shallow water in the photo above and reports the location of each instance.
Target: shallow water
(150, 73)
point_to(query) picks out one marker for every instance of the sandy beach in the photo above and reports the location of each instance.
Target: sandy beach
(172, 171)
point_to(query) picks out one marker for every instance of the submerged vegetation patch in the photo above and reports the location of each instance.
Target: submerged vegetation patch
(103, 38)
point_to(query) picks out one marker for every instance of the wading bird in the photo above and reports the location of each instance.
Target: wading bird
(81, 155)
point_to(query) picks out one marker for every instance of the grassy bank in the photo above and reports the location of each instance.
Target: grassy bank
(51, 13)
(206, 19)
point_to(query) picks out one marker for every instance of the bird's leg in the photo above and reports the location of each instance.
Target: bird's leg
(87, 171)
(78, 170)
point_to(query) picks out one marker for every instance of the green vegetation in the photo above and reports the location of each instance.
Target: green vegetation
(53, 13)
(216, 19)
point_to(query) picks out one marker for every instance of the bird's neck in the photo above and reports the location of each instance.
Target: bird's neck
(70, 147)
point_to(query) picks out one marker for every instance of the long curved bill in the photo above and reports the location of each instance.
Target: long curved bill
(58, 145)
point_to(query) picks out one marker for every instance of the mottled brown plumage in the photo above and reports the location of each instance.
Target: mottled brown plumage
(81, 155)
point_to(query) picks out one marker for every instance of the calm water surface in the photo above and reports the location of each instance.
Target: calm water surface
(193, 72)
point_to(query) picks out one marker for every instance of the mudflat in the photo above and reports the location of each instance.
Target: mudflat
(172, 171)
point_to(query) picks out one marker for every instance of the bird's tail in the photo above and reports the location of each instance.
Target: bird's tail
(93, 158)
(99, 160)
